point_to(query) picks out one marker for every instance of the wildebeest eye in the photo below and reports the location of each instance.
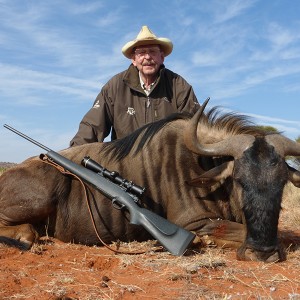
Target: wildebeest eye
(273, 162)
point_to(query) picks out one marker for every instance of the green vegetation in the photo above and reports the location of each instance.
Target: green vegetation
(267, 128)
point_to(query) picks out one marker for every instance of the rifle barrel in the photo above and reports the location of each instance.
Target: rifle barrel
(27, 137)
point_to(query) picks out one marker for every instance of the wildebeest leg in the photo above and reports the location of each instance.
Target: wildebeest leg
(20, 236)
(228, 234)
(222, 233)
(28, 195)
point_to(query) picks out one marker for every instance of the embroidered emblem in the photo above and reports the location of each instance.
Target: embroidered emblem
(97, 104)
(131, 111)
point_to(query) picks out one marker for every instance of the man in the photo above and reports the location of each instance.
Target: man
(144, 93)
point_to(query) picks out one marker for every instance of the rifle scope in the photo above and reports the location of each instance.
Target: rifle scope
(113, 176)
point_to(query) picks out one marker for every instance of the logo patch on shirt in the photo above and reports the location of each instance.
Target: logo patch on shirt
(97, 104)
(131, 111)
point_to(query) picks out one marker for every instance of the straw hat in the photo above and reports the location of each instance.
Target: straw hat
(147, 37)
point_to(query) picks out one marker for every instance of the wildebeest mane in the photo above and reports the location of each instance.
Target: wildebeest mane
(122, 147)
(231, 123)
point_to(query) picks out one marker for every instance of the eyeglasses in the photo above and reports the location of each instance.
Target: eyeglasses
(142, 52)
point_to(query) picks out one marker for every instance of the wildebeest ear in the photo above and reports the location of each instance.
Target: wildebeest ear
(213, 175)
(294, 176)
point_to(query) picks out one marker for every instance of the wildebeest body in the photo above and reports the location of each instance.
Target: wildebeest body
(233, 195)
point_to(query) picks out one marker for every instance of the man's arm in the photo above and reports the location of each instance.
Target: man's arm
(95, 125)
(186, 98)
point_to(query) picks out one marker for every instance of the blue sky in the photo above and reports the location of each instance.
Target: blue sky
(56, 55)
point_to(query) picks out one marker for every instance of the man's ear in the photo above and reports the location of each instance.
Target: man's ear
(162, 56)
(133, 60)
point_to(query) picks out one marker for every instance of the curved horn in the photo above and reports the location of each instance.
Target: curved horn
(283, 145)
(294, 177)
(232, 146)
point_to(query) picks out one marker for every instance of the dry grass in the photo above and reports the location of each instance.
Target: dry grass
(290, 214)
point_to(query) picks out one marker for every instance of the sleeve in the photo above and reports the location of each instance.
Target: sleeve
(190, 103)
(96, 124)
(186, 98)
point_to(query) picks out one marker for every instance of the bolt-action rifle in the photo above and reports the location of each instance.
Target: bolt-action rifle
(173, 237)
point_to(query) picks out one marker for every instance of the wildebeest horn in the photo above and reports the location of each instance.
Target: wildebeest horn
(283, 145)
(232, 146)
(294, 177)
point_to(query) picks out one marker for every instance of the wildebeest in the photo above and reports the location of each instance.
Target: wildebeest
(215, 174)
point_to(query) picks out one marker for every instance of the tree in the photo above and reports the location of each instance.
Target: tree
(298, 158)
(268, 128)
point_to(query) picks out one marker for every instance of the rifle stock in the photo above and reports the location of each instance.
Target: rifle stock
(173, 237)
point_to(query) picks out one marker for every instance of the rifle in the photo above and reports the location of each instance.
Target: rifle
(171, 236)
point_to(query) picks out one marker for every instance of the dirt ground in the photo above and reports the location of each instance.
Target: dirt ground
(55, 270)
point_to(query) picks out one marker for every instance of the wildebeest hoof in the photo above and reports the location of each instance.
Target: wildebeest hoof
(21, 236)
(27, 235)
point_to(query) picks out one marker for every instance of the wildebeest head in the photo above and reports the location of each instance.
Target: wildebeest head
(259, 172)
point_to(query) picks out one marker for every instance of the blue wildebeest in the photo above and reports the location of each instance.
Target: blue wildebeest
(214, 174)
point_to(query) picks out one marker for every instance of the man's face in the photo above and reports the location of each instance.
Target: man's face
(148, 59)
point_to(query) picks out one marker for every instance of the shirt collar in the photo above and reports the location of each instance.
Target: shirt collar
(147, 91)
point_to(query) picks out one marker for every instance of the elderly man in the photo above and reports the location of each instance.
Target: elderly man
(144, 93)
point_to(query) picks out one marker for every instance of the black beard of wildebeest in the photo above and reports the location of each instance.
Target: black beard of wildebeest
(217, 175)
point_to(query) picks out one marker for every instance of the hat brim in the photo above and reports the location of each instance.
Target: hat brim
(165, 44)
